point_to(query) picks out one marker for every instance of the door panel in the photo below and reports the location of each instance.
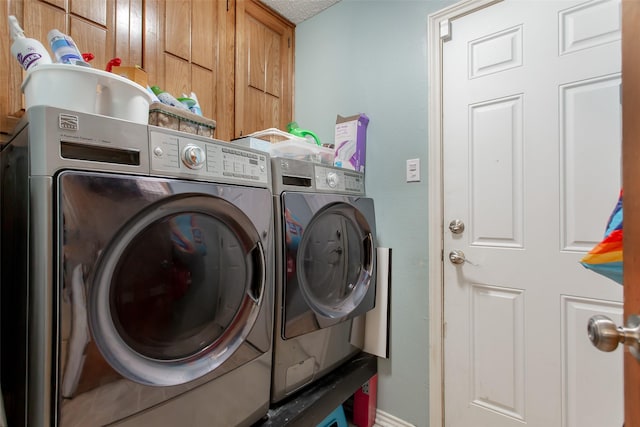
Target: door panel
(96, 10)
(178, 21)
(584, 124)
(579, 359)
(202, 38)
(531, 159)
(92, 38)
(495, 162)
(185, 52)
(264, 69)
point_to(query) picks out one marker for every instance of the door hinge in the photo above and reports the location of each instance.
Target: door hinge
(289, 42)
(227, 5)
(442, 255)
(445, 30)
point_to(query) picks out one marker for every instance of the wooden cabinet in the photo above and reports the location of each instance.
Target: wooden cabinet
(187, 50)
(236, 55)
(264, 69)
(10, 71)
(106, 28)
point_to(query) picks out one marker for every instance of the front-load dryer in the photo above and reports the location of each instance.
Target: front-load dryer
(325, 269)
(136, 276)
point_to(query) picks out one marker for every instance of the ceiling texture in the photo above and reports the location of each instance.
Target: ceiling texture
(297, 11)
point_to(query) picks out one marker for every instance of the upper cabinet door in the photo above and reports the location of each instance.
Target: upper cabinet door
(100, 27)
(264, 69)
(186, 50)
(235, 55)
(105, 28)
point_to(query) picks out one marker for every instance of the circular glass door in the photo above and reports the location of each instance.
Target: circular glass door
(335, 260)
(178, 290)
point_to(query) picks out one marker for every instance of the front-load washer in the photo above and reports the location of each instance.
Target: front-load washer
(137, 273)
(325, 269)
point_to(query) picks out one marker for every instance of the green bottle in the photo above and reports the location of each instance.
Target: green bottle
(293, 129)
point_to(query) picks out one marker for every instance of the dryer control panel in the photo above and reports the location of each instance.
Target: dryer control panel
(180, 155)
(334, 179)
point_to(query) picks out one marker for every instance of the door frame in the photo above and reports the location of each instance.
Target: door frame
(435, 198)
(630, 175)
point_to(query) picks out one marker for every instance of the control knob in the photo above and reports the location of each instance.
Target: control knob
(193, 156)
(332, 179)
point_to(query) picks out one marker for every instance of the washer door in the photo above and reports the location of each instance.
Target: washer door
(330, 244)
(178, 290)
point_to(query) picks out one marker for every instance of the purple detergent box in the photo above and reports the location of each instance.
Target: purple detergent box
(350, 142)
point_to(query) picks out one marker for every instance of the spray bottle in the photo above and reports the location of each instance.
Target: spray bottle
(194, 106)
(167, 98)
(293, 129)
(29, 52)
(65, 49)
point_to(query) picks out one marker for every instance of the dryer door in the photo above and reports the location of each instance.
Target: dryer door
(177, 290)
(329, 246)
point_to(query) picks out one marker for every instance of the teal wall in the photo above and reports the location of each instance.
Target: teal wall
(370, 56)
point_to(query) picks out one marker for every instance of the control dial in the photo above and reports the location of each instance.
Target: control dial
(193, 156)
(332, 179)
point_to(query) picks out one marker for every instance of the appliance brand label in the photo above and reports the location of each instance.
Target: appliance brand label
(68, 122)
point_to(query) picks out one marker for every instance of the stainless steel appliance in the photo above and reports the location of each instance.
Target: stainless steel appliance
(136, 275)
(325, 269)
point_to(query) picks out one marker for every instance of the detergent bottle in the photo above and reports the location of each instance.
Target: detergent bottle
(293, 129)
(167, 98)
(29, 52)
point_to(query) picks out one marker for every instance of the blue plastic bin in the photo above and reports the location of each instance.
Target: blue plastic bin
(335, 419)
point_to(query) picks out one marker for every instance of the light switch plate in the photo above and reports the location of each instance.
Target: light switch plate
(413, 170)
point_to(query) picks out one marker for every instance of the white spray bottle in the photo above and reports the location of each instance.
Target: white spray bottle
(29, 52)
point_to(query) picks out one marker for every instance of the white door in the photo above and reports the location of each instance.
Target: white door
(531, 148)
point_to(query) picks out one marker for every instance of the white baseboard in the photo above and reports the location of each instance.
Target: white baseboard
(387, 420)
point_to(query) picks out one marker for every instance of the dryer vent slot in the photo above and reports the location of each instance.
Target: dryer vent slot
(75, 151)
(296, 180)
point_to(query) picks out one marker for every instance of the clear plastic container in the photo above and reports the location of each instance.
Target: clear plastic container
(274, 135)
(282, 144)
(302, 151)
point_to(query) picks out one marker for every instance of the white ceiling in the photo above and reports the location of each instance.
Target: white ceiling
(297, 11)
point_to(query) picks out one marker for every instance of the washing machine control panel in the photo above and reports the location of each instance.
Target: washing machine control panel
(334, 179)
(181, 155)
